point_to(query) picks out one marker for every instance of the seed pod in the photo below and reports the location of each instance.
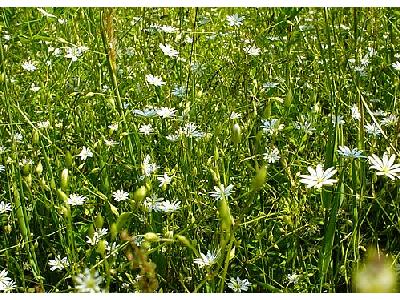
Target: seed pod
(259, 179)
(99, 221)
(139, 194)
(64, 179)
(151, 237)
(236, 134)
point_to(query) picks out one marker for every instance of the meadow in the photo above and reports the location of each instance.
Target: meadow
(199, 150)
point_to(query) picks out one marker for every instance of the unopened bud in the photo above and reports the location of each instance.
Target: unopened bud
(39, 168)
(288, 98)
(236, 134)
(62, 196)
(151, 237)
(259, 179)
(139, 194)
(99, 221)
(183, 240)
(64, 179)
(68, 159)
(101, 247)
(35, 137)
(114, 231)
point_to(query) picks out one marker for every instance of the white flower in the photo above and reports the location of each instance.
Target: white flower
(293, 278)
(237, 285)
(385, 167)
(85, 153)
(45, 13)
(4, 278)
(355, 113)
(345, 151)
(44, 124)
(373, 129)
(272, 155)
(113, 127)
(234, 20)
(305, 126)
(179, 91)
(269, 85)
(167, 206)
(168, 50)
(75, 199)
(207, 260)
(168, 29)
(164, 180)
(34, 88)
(172, 137)
(18, 137)
(2, 168)
(221, 191)
(337, 120)
(389, 120)
(190, 130)
(154, 80)
(110, 143)
(271, 126)
(4, 207)
(97, 235)
(147, 112)
(152, 202)
(58, 263)
(88, 282)
(8, 286)
(166, 112)
(146, 129)
(74, 52)
(235, 115)
(148, 168)
(28, 66)
(252, 50)
(396, 65)
(318, 177)
(120, 195)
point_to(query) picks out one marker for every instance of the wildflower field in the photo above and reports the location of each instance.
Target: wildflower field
(199, 149)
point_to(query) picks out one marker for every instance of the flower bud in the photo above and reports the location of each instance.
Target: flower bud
(183, 240)
(62, 196)
(39, 168)
(99, 221)
(259, 179)
(101, 248)
(68, 159)
(376, 276)
(64, 179)
(113, 231)
(236, 134)
(288, 98)
(28, 180)
(139, 194)
(35, 137)
(151, 237)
